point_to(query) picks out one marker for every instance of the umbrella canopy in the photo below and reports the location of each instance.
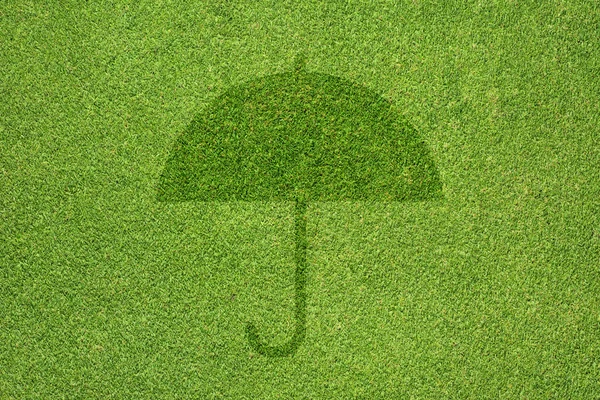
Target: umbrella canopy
(299, 134)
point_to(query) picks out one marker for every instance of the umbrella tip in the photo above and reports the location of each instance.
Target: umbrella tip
(299, 62)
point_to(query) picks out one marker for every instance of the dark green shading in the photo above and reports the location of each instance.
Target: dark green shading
(299, 289)
(299, 136)
(289, 133)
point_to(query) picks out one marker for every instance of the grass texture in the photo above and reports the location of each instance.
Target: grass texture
(190, 208)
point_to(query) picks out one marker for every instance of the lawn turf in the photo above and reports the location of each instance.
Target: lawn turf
(106, 292)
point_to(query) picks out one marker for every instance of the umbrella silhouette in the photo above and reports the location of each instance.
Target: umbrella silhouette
(298, 136)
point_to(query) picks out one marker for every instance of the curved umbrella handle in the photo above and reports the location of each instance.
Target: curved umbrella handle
(300, 282)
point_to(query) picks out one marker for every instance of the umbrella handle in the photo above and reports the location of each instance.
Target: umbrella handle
(290, 347)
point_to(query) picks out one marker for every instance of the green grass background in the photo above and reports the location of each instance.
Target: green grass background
(106, 293)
